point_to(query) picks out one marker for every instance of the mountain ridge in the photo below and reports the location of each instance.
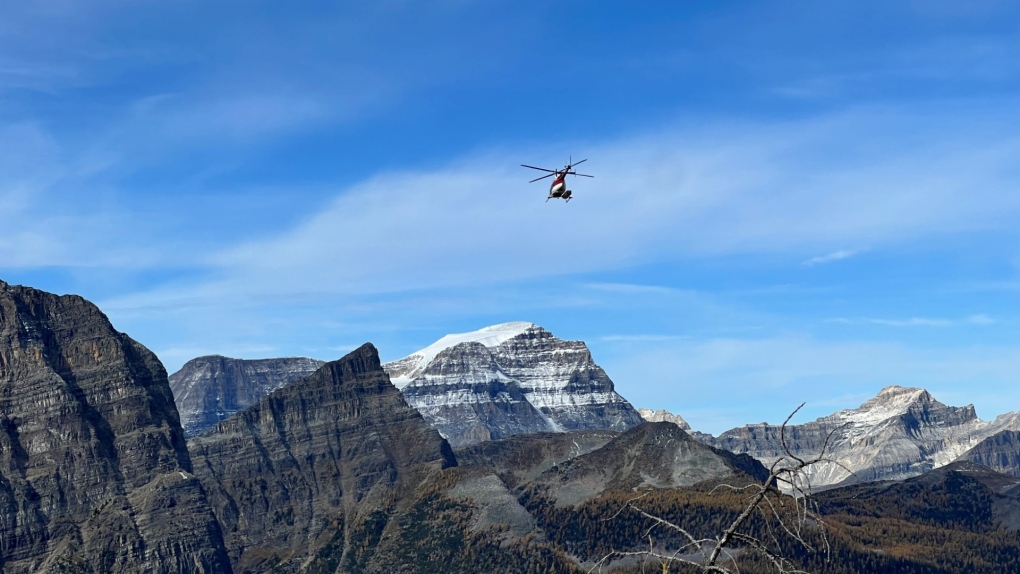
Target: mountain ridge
(507, 379)
(899, 433)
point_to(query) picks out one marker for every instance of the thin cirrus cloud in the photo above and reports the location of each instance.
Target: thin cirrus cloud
(838, 255)
(655, 197)
(977, 319)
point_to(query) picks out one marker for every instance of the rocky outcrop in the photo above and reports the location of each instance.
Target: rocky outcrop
(652, 455)
(94, 472)
(509, 379)
(522, 458)
(210, 389)
(902, 432)
(1000, 452)
(315, 468)
(663, 416)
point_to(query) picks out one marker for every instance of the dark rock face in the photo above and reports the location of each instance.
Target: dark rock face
(94, 472)
(210, 389)
(509, 379)
(1000, 452)
(314, 468)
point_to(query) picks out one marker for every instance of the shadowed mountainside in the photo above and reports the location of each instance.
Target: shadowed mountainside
(317, 467)
(94, 472)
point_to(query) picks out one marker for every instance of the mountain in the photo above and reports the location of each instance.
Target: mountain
(663, 416)
(209, 389)
(509, 379)
(317, 467)
(95, 475)
(521, 459)
(1000, 452)
(901, 432)
(652, 455)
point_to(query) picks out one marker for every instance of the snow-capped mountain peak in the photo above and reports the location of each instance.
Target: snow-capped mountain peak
(508, 379)
(403, 371)
(892, 401)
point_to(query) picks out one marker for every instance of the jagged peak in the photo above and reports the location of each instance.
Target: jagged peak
(890, 402)
(402, 371)
(662, 415)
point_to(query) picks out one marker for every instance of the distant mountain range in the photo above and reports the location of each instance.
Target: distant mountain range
(335, 472)
(517, 378)
(900, 433)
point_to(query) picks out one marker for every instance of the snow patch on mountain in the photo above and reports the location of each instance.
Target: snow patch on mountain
(508, 379)
(405, 370)
(901, 432)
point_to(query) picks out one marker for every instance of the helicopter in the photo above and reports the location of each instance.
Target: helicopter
(559, 184)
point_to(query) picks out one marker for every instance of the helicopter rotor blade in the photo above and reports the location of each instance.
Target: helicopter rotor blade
(580, 174)
(543, 177)
(539, 168)
(579, 163)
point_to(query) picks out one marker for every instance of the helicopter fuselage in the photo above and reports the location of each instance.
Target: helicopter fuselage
(559, 187)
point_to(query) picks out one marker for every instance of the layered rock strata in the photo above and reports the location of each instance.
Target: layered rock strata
(315, 467)
(94, 472)
(1000, 452)
(210, 389)
(900, 433)
(509, 379)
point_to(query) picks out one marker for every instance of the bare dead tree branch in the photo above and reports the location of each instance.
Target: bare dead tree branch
(791, 515)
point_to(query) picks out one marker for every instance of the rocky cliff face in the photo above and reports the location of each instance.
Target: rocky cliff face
(315, 467)
(1000, 452)
(209, 389)
(94, 472)
(509, 379)
(900, 433)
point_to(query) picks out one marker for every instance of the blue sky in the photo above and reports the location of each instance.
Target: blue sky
(793, 201)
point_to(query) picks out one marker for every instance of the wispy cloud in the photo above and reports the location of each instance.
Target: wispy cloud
(775, 374)
(628, 288)
(911, 322)
(979, 319)
(640, 338)
(832, 256)
(701, 197)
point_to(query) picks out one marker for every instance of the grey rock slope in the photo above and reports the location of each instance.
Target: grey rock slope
(1000, 452)
(509, 379)
(316, 467)
(522, 458)
(902, 432)
(209, 389)
(652, 455)
(94, 472)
